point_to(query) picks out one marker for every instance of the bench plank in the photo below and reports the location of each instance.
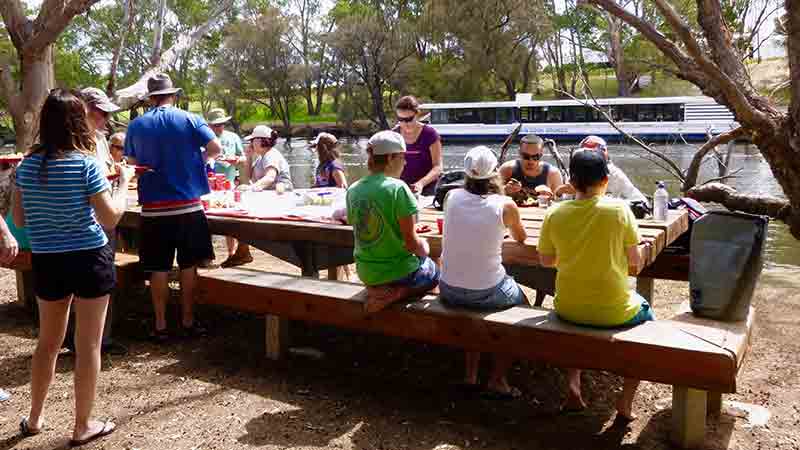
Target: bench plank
(655, 351)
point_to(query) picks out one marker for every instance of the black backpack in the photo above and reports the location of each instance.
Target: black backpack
(447, 182)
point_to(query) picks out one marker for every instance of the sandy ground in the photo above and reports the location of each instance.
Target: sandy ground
(358, 391)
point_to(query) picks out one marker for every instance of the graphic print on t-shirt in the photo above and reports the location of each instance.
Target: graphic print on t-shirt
(370, 223)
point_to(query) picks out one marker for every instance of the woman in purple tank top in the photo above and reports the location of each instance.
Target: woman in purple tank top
(423, 148)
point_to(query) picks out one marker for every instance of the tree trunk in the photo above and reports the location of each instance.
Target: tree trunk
(376, 95)
(158, 34)
(511, 89)
(38, 78)
(127, 19)
(617, 57)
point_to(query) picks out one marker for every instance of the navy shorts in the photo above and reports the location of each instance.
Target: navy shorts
(82, 273)
(162, 237)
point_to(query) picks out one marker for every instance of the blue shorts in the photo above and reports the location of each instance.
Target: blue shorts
(425, 277)
(506, 294)
(645, 312)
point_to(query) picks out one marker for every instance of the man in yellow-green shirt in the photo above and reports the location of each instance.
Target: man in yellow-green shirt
(592, 241)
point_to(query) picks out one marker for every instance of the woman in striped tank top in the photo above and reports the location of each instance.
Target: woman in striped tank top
(64, 201)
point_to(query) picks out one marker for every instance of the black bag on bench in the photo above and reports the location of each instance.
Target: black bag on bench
(726, 260)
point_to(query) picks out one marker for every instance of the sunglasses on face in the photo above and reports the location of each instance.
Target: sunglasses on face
(406, 119)
(531, 157)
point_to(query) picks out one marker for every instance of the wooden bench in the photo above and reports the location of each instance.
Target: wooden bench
(695, 356)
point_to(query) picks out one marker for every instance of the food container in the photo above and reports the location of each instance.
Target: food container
(237, 196)
(205, 204)
(544, 201)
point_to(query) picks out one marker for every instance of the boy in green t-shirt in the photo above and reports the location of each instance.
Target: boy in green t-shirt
(592, 241)
(390, 258)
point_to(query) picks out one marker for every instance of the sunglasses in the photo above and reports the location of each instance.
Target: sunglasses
(406, 119)
(531, 157)
(117, 147)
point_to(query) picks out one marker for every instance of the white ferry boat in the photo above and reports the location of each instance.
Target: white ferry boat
(652, 119)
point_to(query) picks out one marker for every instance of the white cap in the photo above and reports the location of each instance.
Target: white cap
(261, 131)
(387, 142)
(480, 163)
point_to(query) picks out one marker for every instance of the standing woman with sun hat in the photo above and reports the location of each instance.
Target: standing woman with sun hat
(423, 148)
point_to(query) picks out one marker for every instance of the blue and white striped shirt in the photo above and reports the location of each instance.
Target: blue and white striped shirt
(58, 215)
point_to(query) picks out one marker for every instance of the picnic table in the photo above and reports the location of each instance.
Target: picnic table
(314, 245)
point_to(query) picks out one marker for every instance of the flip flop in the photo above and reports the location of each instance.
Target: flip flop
(492, 394)
(108, 428)
(25, 430)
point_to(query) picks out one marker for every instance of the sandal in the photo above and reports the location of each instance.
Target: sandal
(25, 429)
(108, 428)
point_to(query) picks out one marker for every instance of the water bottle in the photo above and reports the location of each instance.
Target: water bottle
(660, 201)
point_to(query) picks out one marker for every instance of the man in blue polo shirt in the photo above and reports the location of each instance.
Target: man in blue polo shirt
(168, 141)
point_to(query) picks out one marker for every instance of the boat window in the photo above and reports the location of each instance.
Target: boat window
(648, 113)
(488, 115)
(464, 116)
(628, 113)
(505, 115)
(555, 114)
(439, 116)
(526, 115)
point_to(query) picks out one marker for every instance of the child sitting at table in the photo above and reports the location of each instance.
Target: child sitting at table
(330, 172)
(390, 258)
(269, 171)
(592, 241)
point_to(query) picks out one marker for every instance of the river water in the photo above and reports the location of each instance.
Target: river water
(782, 251)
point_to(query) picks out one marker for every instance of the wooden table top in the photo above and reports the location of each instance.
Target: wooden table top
(658, 234)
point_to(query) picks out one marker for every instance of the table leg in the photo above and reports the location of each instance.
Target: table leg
(25, 293)
(688, 417)
(276, 337)
(645, 287)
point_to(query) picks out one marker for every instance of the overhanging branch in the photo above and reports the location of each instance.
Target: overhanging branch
(51, 23)
(750, 203)
(694, 167)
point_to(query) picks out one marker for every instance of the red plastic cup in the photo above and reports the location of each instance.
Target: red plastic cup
(228, 185)
(440, 225)
(212, 183)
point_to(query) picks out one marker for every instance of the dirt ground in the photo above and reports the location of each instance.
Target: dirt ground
(344, 390)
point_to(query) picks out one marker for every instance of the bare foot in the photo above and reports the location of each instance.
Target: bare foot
(625, 411)
(95, 430)
(380, 297)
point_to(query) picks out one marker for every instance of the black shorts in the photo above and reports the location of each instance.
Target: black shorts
(163, 236)
(83, 273)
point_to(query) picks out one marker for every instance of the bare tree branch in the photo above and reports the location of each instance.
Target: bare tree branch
(672, 168)
(690, 179)
(128, 18)
(47, 31)
(754, 204)
(666, 46)
(131, 94)
(722, 178)
(13, 12)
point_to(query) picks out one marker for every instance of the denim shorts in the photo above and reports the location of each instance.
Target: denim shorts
(425, 277)
(506, 294)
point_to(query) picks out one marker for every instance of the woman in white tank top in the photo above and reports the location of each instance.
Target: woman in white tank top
(475, 222)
